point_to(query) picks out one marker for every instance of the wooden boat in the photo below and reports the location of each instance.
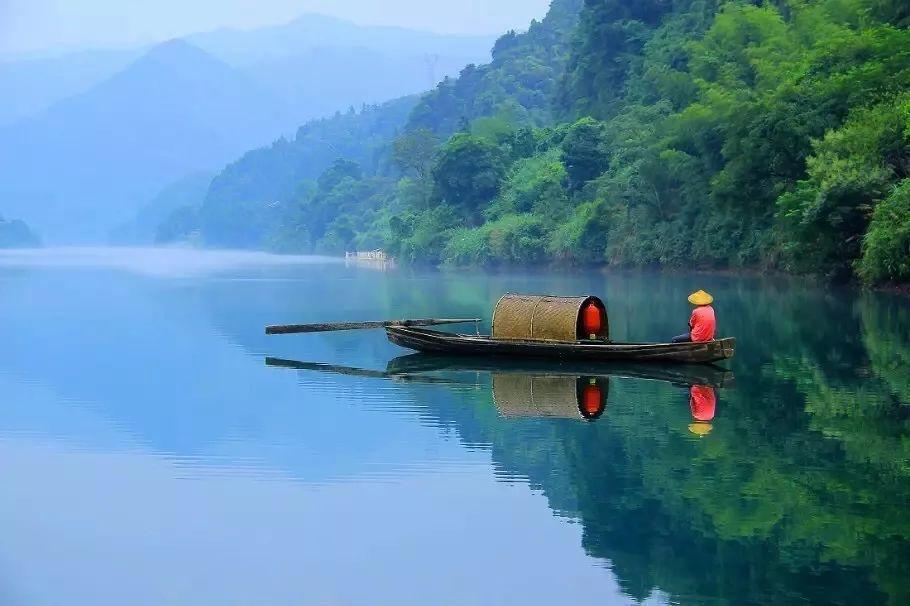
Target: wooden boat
(540, 326)
(534, 326)
(437, 342)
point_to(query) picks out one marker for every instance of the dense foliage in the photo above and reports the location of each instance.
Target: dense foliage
(519, 83)
(711, 133)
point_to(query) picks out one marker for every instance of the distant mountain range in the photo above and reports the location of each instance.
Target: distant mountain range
(32, 85)
(249, 47)
(113, 129)
(89, 161)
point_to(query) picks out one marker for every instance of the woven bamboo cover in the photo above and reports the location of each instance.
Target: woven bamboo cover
(542, 318)
(522, 395)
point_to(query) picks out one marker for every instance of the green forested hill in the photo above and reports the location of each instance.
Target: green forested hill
(518, 85)
(704, 133)
(248, 202)
(762, 134)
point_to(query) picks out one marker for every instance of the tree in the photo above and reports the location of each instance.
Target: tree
(584, 152)
(886, 246)
(852, 170)
(414, 151)
(468, 174)
(340, 170)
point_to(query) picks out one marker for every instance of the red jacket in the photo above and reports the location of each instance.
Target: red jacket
(702, 323)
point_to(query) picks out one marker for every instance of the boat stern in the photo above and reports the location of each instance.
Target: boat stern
(727, 347)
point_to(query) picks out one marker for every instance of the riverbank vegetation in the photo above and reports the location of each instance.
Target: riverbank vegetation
(693, 133)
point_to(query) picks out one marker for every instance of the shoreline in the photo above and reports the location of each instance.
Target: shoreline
(899, 289)
(742, 272)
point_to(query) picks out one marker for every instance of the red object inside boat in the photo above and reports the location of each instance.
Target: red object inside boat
(592, 319)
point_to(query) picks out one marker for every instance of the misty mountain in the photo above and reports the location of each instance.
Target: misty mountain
(373, 61)
(32, 85)
(90, 159)
(244, 199)
(186, 192)
(250, 203)
(321, 81)
(87, 162)
(251, 47)
(319, 64)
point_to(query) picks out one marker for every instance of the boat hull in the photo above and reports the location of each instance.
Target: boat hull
(433, 341)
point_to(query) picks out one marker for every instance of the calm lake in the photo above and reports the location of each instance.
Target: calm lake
(150, 455)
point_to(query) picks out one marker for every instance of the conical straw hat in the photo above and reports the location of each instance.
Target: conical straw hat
(700, 298)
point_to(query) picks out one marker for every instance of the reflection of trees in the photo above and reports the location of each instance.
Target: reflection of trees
(886, 334)
(854, 498)
(800, 493)
(721, 517)
(732, 515)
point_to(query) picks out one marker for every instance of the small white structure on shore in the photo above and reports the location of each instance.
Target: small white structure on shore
(377, 259)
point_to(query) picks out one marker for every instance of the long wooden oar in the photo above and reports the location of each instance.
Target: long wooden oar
(295, 329)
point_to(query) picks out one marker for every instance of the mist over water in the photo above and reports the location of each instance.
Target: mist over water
(153, 457)
(163, 262)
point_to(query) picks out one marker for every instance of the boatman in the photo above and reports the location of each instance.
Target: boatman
(702, 324)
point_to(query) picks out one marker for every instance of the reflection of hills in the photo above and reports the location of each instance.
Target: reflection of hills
(141, 356)
(776, 506)
(799, 493)
(731, 515)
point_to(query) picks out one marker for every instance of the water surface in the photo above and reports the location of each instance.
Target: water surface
(151, 456)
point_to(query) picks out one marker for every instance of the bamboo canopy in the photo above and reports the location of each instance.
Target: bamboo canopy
(544, 318)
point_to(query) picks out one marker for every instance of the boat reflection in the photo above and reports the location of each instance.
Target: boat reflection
(542, 389)
(358, 372)
(680, 374)
(518, 395)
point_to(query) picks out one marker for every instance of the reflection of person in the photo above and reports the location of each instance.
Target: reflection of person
(702, 323)
(703, 403)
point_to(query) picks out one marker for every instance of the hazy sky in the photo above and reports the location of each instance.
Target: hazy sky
(37, 25)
